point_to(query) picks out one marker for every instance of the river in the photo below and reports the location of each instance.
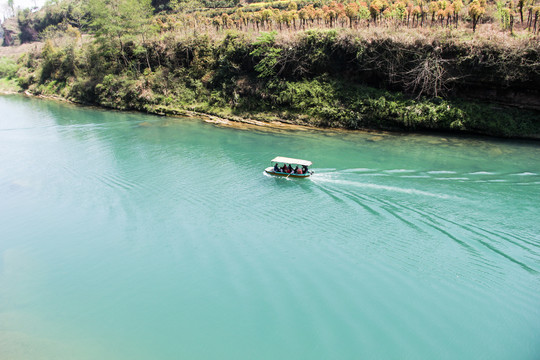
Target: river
(128, 236)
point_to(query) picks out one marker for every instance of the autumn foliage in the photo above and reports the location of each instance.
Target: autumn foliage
(303, 14)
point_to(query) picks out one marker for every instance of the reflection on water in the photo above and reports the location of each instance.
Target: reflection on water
(127, 236)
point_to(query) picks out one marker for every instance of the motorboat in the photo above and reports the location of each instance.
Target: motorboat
(276, 170)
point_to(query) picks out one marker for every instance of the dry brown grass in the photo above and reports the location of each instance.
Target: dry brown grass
(14, 52)
(485, 35)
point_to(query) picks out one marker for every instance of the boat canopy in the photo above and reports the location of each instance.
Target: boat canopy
(281, 159)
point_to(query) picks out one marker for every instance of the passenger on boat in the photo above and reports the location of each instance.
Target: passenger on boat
(276, 168)
(299, 171)
(290, 169)
(304, 169)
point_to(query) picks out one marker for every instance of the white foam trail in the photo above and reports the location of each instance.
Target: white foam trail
(415, 176)
(323, 176)
(482, 173)
(453, 178)
(384, 187)
(359, 170)
(399, 171)
(441, 172)
(526, 173)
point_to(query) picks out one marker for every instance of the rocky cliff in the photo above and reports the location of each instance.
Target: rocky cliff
(11, 31)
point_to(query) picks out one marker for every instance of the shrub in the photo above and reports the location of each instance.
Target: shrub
(8, 68)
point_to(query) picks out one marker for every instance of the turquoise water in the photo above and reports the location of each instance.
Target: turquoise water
(126, 236)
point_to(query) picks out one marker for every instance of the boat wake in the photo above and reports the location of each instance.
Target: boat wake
(391, 199)
(480, 176)
(324, 179)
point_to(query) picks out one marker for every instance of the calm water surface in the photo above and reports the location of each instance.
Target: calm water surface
(125, 236)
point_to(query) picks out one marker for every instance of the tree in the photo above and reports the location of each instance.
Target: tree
(476, 10)
(374, 10)
(441, 13)
(400, 10)
(303, 15)
(241, 16)
(458, 5)
(267, 53)
(117, 21)
(433, 9)
(266, 16)
(521, 4)
(363, 11)
(227, 21)
(351, 11)
(416, 14)
(422, 12)
(279, 17)
(536, 12)
(292, 6)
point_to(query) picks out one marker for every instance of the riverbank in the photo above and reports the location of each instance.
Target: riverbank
(324, 79)
(236, 122)
(225, 117)
(261, 121)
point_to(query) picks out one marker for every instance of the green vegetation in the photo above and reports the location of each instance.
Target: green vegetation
(8, 76)
(8, 86)
(327, 76)
(8, 68)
